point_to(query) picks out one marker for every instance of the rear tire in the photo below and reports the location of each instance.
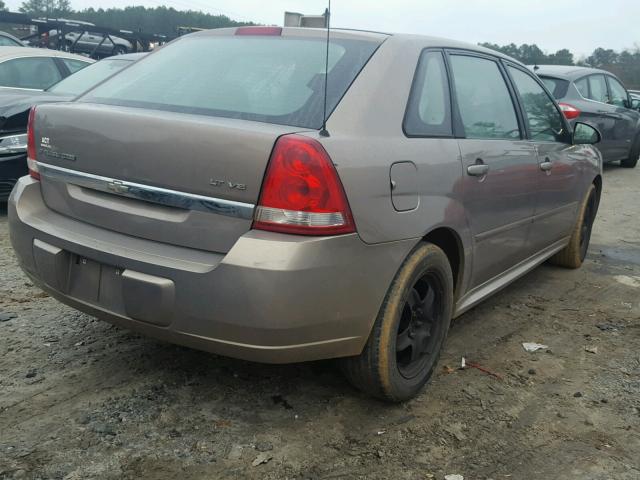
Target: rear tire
(632, 161)
(405, 342)
(119, 50)
(575, 252)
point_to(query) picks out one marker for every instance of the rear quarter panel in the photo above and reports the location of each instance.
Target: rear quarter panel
(367, 138)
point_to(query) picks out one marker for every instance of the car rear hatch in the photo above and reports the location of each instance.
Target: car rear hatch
(179, 179)
(174, 148)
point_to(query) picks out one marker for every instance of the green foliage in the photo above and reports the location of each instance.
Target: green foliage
(50, 8)
(561, 57)
(625, 64)
(532, 54)
(601, 57)
(164, 20)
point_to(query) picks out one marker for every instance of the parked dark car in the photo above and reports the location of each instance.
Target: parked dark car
(198, 197)
(14, 112)
(598, 98)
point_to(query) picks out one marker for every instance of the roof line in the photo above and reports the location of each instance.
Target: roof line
(362, 30)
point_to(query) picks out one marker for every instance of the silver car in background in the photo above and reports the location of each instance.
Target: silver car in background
(197, 197)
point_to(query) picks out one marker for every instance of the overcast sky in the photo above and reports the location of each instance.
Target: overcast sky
(580, 25)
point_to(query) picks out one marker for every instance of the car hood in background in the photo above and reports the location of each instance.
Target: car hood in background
(13, 102)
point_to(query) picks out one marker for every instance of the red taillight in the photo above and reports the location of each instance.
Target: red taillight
(301, 192)
(570, 112)
(32, 163)
(275, 31)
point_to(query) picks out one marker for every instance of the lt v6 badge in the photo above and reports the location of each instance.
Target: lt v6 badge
(232, 185)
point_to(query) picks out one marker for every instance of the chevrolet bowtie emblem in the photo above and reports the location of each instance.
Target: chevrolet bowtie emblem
(117, 187)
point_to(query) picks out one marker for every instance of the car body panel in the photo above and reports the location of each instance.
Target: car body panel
(500, 206)
(559, 192)
(221, 303)
(211, 282)
(159, 155)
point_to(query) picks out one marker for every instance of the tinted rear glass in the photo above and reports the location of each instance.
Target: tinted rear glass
(266, 79)
(89, 76)
(556, 86)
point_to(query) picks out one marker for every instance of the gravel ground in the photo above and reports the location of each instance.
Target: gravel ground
(80, 399)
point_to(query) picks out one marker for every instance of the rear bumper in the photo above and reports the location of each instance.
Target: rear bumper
(11, 169)
(272, 298)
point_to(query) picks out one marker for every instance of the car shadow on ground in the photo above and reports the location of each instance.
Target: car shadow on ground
(612, 166)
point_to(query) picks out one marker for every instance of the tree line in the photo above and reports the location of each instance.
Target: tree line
(162, 20)
(624, 64)
(166, 20)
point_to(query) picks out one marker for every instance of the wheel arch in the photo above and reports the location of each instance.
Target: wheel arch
(597, 182)
(451, 244)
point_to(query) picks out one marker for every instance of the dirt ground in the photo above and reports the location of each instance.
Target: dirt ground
(80, 399)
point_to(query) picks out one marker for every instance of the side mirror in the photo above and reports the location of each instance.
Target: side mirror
(584, 134)
(627, 103)
(635, 103)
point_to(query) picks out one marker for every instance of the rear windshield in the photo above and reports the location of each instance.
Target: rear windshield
(86, 78)
(267, 79)
(556, 86)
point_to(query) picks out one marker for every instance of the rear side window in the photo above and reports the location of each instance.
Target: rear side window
(583, 86)
(598, 88)
(545, 122)
(74, 65)
(429, 108)
(29, 72)
(82, 81)
(484, 100)
(262, 78)
(619, 95)
(556, 86)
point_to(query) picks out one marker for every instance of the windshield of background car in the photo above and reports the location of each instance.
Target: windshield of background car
(556, 86)
(84, 79)
(268, 79)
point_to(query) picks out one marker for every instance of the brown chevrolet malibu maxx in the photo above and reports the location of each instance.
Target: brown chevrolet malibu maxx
(197, 198)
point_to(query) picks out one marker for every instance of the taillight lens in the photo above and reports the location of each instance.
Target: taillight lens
(32, 163)
(570, 112)
(301, 192)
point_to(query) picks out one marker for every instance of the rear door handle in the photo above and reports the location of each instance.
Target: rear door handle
(478, 170)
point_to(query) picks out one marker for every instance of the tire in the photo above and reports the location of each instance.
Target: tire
(632, 161)
(575, 252)
(119, 50)
(416, 311)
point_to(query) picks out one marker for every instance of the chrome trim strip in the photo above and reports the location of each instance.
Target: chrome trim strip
(147, 193)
